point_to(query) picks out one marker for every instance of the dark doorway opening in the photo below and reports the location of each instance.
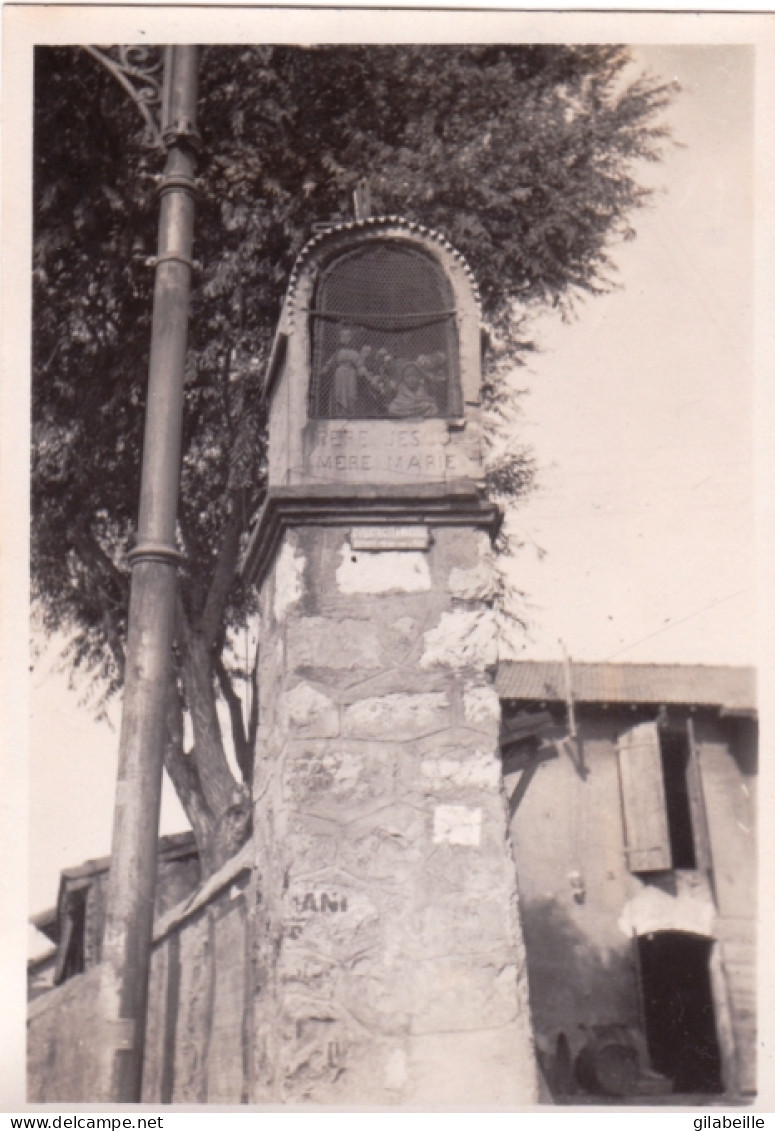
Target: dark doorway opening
(678, 1007)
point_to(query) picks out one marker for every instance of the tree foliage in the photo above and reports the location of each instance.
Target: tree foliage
(526, 157)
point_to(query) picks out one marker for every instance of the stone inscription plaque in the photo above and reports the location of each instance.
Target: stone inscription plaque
(390, 538)
(385, 451)
(402, 453)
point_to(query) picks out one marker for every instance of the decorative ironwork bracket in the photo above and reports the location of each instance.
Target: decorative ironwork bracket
(140, 71)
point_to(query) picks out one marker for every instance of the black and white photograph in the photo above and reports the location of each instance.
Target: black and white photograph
(386, 632)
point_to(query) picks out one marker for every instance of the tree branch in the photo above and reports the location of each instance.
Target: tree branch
(186, 535)
(210, 622)
(234, 704)
(115, 643)
(183, 774)
(253, 717)
(182, 624)
(93, 554)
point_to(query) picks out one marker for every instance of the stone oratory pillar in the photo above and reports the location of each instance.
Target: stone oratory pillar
(390, 966)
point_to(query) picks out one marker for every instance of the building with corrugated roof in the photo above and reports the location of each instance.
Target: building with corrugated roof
(632, 819)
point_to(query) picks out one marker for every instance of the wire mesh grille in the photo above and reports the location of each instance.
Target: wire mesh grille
(384, 338)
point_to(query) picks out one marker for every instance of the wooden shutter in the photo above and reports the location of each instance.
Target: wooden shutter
(647, 837)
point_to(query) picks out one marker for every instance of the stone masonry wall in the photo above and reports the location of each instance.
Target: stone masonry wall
(388, 966)
(65, 1064)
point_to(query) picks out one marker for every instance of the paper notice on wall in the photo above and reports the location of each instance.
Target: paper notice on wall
(457, 824)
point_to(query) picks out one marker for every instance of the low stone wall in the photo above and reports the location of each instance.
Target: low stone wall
(64, 1061)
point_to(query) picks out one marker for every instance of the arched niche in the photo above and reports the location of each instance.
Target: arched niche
(383, 336)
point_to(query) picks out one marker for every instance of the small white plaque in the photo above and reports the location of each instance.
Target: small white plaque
(457, 824)
(390, 538)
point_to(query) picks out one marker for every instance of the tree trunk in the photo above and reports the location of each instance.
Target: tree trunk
(226, 801)
(183, 774)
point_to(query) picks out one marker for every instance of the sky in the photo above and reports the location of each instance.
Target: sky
(641, 410)
(641, 416)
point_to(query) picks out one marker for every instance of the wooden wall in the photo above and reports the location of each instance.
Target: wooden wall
(576, 889)
(197, 1038)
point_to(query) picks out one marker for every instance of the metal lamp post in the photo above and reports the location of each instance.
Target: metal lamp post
(129, 918)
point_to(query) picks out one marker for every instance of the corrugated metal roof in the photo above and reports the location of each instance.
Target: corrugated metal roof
(731, 688)
(171, 847)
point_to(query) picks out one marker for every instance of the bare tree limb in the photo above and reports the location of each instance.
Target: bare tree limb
(234, 704)
(253, 717)
(186, 536)
(210, 622)
(115, 643)
(101, 565)
(184, 775)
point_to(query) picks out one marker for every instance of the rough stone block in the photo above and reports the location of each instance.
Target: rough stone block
(310, 713)
(469, 770)
(316, 1042)
(301, 972)
(387, 846)
(395, 681)
(476, 584)
(462, 639)
(465, 992)
(378, 1070)
(457, 824)
(329, 917)
(397, 716)
(472, 869)
(481, 704)
(288, 580)
(338, 777)
(489, 1070)
(325, 643)
(406, 627)
(402, 620)
(454, 549)
(311, 840)
(381, 994)
(459, 924)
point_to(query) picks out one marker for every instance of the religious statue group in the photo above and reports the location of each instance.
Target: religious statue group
(371, 382)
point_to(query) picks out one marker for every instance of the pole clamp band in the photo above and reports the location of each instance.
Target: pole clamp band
(173, 257)
(173, 181)
(155, 552)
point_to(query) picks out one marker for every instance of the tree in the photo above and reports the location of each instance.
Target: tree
(526, 157)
